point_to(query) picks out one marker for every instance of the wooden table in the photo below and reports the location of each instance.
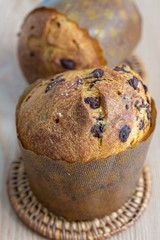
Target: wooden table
(12, 84)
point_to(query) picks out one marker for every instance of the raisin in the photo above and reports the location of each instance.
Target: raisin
(93, 102)
(133, 82)
(97, 130)
(98, 73)
(121, 69)
(127, 106)
(68, 64)
(142, 124)
(124, 133)
(49, 87)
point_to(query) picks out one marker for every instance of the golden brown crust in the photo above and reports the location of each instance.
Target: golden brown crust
(85, 115)
(57, 45)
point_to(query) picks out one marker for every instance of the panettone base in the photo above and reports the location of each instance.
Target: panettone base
(45, 223)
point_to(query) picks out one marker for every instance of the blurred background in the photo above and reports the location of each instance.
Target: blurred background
(12, 84)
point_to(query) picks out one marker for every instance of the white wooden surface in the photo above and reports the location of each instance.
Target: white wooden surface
(12, 84)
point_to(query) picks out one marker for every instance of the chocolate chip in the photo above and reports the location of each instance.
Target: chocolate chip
(143, 105)
(52, 83)
(148, 113)
(136, 104)
(124, 133)
(68, 64)
(31, 54)
(98, 73)
(127, 106)
(133, 82)
(94, 102)
(142, 124)
(149, 116)
(97, 130)
(58, 81)
(121, 69)
(49, 87)
(148, 101)
(145, 87)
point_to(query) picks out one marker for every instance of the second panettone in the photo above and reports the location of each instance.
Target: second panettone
(66, 35)
(80, 116)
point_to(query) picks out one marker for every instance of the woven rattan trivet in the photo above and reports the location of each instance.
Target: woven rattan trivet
(39, 219)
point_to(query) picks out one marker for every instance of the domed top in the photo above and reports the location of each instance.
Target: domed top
(85, 115)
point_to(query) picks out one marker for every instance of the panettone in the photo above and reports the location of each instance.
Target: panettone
(66, 35)
(80, 116)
